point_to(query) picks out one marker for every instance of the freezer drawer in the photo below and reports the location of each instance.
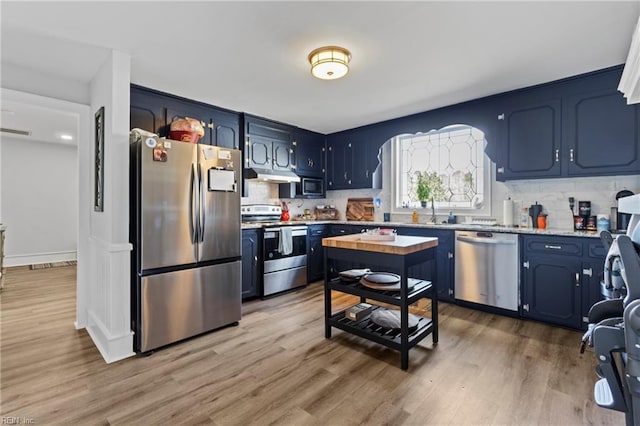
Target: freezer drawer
(181, 304)
(275, 282)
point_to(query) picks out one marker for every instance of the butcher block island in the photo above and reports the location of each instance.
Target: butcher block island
(382, 280)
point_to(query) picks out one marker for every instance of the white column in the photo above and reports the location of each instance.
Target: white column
(108, 313)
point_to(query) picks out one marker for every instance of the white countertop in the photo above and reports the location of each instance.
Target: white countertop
(453, 227)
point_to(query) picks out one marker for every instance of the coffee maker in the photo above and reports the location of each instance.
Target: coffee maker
(535, 210)
(622, 219)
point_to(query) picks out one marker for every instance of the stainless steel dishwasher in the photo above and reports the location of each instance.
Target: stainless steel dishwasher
(486, 270)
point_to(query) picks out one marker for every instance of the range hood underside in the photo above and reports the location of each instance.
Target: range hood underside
(273, 176)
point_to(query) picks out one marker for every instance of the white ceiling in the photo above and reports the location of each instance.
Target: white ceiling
(407, 57)
(44, 124)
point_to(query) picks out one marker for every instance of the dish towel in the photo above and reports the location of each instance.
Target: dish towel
(285, 245)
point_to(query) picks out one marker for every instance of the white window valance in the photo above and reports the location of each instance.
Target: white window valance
(630, 81)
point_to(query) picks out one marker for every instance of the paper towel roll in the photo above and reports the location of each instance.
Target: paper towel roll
(507, 212)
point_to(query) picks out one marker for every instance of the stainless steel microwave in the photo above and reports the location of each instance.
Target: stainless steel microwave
(308, 187)
(311, 187)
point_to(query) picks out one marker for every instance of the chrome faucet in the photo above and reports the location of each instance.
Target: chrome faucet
(433, 212)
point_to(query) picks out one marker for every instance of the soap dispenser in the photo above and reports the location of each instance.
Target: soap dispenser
(451, 218)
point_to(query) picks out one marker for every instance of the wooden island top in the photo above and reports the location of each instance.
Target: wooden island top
(402, 245)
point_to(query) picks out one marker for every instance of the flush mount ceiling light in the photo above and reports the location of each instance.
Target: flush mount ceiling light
(329, 62)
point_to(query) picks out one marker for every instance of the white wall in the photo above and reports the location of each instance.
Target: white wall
(27, 80)
(39, 201)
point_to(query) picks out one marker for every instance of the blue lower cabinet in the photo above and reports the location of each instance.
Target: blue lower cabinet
(444, 261)
(551, 290)
(337, 265)
(560, 278)
(251, 259)
(592, 275)
(315, 252)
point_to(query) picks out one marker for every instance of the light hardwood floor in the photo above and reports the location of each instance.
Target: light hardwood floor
(276, 367)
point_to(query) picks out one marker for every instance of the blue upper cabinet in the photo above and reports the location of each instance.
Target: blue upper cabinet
(339, 164)
(353, 161)
(147, 111)
(155, 111)
(267, 143)
(309, 153)
(602, 134)
(580, 126)
(530, 130)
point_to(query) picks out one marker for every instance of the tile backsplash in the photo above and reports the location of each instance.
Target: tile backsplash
(554, 195)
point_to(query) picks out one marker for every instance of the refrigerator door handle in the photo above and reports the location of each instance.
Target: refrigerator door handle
(192, 207)
(203, 204)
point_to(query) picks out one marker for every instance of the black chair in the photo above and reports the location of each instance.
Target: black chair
(615, 334)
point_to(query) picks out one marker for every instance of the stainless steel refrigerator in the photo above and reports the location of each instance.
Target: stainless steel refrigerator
(185, 231)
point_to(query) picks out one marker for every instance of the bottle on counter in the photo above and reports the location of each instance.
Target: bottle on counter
(414, 216)
(542, 221)
(451, 218)
(525, 219)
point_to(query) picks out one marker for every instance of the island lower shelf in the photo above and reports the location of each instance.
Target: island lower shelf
(391, 338)
(419, 290)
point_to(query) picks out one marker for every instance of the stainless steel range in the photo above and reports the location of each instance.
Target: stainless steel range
(285, 263)
(284, 248)
(252, 213)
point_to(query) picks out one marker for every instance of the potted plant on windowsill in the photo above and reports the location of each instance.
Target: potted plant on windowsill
(423, 189)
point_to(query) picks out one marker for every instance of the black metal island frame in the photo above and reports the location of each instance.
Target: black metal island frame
(390, 256)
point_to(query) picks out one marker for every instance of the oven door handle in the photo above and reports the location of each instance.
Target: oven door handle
(273, 233)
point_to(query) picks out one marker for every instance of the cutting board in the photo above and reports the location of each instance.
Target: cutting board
(360, 209)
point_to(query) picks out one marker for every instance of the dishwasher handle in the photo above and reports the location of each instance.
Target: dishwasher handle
(484, 240)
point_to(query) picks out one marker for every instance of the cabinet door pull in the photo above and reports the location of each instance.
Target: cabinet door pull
(500, 170)
(557, 155)
(255, 260)
(547, 246)
(366, 173)
(571, 155)
(501, 116)
(588, 272)
(310, 162)
(313, 250)
(577, 279)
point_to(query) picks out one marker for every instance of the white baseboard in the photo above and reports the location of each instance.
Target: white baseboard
(112, 348)
(33, 259)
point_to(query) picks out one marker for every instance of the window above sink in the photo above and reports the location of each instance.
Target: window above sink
(455, 166)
